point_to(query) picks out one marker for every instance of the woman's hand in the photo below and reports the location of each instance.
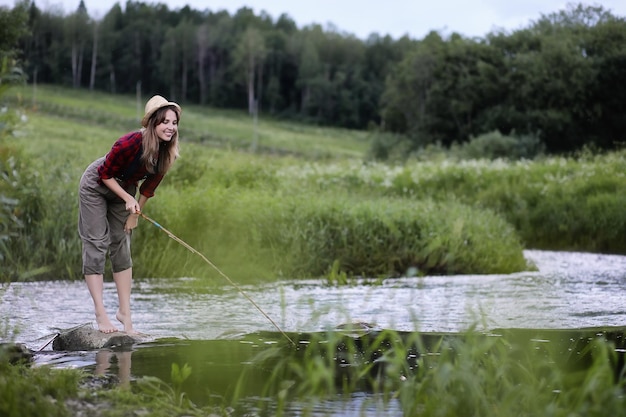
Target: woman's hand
(131, 222)
(133, 206)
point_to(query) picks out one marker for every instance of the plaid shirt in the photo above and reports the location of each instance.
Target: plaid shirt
(120, 158)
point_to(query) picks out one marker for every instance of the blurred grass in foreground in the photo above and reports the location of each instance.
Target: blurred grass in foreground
(517, 372)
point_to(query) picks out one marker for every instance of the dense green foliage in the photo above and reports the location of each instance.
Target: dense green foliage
(554, 203)
(559, 80)
(550, 80)
(306, 234)
(16, 186)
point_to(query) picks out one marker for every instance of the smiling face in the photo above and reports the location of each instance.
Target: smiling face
(168, 126)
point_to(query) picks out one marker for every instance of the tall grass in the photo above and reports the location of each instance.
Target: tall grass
(449, 375)
(553, 203)
(488, 376)
(429, 375)
(39, 391)
(306, 234)
(289, 216)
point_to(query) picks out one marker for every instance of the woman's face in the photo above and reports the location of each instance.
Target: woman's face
(168, 127)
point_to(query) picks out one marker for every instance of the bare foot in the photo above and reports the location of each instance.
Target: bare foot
(105, 325)
(126, 321)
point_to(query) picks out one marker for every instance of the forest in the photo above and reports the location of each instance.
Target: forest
(555, 86)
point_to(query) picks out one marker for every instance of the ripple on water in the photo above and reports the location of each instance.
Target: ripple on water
(570, 290)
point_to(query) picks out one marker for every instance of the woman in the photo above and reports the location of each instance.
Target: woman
(108, 210)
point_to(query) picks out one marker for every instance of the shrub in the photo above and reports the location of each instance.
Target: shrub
(495, 145)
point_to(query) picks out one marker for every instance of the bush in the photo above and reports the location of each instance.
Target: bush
(389, 147)
(495, 145)
(21, 209)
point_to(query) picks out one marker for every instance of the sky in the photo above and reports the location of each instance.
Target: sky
(415, 18)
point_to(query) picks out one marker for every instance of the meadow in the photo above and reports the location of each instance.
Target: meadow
(293, 201)
(230, 203)
(297, 200)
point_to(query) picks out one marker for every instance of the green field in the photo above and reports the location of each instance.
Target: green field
(221, 128)
(304, 203)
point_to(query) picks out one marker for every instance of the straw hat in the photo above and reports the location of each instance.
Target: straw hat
(154, 104)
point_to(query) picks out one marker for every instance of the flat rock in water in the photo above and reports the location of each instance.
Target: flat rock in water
(85, 337)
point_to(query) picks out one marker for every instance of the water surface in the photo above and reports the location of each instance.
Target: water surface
(569, 290)
(218, 331)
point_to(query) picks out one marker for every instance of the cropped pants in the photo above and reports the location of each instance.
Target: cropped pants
(101, 219)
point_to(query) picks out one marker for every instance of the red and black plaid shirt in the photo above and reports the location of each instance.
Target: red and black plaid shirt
(121, 157)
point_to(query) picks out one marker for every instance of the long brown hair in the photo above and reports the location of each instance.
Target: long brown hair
(158, 156)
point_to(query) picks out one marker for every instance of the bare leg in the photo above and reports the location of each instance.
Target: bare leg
(95, 283)
(123, 282)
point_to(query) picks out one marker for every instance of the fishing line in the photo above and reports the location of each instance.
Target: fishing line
(205, 259)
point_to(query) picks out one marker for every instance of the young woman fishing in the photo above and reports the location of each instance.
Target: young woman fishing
(108, 210)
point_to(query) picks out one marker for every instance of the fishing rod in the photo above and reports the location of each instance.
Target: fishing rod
(205, 259)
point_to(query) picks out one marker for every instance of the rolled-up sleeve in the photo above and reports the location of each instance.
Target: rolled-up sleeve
(150, 184)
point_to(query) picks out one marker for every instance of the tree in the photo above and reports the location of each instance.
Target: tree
(13, 27)
(76, 28)
(554, 73)
(184, 54)
(406, 99)
(111, 45)
(94, 57)
(249, 57)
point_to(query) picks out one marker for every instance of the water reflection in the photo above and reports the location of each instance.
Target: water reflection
(104, 359)
(255, 368)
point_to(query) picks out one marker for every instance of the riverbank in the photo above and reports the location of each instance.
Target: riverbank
(394, 374)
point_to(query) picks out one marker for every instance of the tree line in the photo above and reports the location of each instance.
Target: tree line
(559, 80)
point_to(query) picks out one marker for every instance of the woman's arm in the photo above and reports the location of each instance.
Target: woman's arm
(131, 204)
(133, 218)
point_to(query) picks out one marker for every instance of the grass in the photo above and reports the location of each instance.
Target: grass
(39, 391)
(224, 128)
(511, 373)
(554, 203)
(232, 205)
(305, 205)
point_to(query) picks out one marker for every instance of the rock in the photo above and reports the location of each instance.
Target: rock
(85, 337)
(356, 329)
(15, 353)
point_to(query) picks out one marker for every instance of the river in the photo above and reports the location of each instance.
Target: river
(568, 291)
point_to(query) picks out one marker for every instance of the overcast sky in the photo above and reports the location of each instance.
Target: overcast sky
(472, 18)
